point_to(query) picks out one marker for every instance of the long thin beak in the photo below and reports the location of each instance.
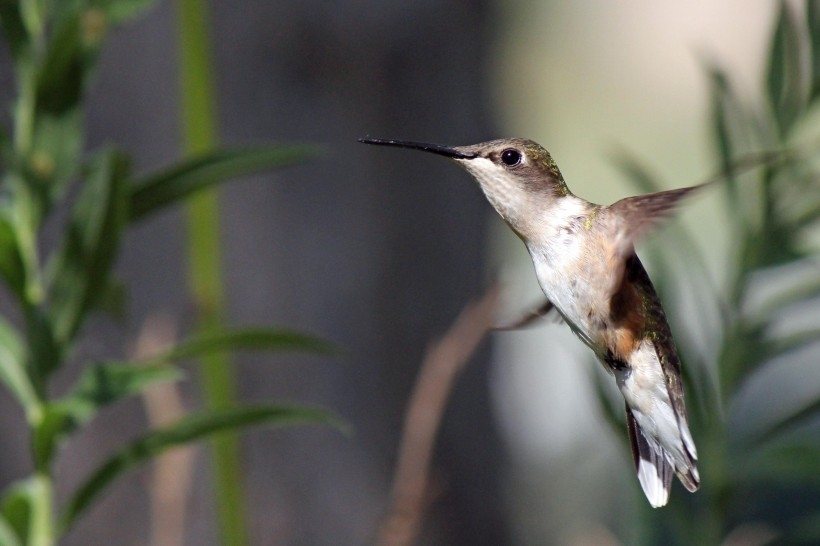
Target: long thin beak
(447, 151)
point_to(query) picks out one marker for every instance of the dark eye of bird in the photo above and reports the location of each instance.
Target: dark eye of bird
(511, 157)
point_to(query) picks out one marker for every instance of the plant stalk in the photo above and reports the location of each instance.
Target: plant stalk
(204, 253)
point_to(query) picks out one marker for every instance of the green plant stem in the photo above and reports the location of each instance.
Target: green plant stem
(205, 278)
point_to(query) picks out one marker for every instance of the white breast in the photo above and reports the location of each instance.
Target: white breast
(566, 268)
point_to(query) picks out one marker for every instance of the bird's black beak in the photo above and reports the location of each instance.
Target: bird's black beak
(447, 151)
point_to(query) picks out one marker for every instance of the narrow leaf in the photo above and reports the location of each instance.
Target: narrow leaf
(791, 342)
(802, 292)
(108, 382)
(122, 11)
(178, 182)
(25, 509)
(813, 16)
(246, 339)
(12, 368)
(83, 265)
(99, 385)
(785, 82)
(14, 30)
(190, 429)
(792, 461)
(798, 417)
(12, 269)
(725, 117)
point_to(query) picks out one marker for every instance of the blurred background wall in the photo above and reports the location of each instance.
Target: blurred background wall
(377, 250)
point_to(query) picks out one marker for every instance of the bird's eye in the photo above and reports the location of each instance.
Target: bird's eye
(511, 157)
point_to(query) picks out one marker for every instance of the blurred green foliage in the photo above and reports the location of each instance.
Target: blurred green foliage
(45, 168)
(759, 458)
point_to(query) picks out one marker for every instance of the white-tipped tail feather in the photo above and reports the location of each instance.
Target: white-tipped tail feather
(661, 442)
(655, 466)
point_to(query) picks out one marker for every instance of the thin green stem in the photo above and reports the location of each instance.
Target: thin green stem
(205, 272)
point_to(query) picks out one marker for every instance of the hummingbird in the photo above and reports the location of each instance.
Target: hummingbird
(586, 265)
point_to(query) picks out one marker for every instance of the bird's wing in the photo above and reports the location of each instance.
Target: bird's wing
(630, 218)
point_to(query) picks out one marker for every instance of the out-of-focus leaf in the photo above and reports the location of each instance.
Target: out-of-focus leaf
(121, 11)
(808, 411)
(12, 269)
(46, 434)
(12, 368)
(7, 535)
(791, 462)
(190, 429)
(83, 265)
(785, 82)
(45, 352)
(746, 346)
(171, 185)
(108, 382)
(725, 111)
(266, 339)
(773, 245)
(791, 342)
(803, 291)
(813, 16)
(61, 78)
(99, 385)
(14, 30)
(25, 509)
(56, 152)
(806, 530)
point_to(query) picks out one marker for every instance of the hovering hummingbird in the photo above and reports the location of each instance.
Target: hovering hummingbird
(586, 265)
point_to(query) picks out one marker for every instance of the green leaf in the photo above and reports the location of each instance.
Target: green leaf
(172, 185)
(14, 30)
(105, 383)
(729, 124)
(98, 386)
(83, 265)
(62, 75)
(12, 369)
(813, 16)
(785, 83)
(800, 292)
(12, 268)
(25, 509)
(792, 342)
(122, 11)
(265, 339)
(57, 147)
(790, 462)
(190, 429)
(8, 537)
(808, 411)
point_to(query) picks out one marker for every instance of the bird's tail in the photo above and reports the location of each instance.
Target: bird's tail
(655, 465)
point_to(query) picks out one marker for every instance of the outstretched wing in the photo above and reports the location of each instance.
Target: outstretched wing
(630, 218)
